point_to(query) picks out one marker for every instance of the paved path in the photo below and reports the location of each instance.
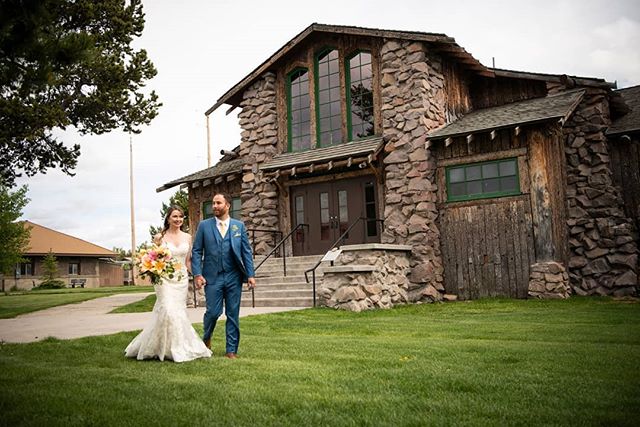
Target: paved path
(92, 317)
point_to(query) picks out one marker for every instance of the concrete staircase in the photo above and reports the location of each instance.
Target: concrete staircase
(276, 290)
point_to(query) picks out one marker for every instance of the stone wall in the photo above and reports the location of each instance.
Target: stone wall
(603, 241)
(367, 276)
(549, 280)
(258, 121)
(413, 103)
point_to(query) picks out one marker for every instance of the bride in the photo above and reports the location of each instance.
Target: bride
(169, 334)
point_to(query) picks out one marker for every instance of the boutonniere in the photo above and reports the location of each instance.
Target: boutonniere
(234, 227)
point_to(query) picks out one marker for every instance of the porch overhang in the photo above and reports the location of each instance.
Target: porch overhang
(224, 170)
(514, 115)
(361, 153)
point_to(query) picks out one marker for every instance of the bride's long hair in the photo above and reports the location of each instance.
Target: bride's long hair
(167, 216)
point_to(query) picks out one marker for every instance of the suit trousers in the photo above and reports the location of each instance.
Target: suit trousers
(225, 290)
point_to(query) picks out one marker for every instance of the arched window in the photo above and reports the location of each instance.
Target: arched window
(299, 105)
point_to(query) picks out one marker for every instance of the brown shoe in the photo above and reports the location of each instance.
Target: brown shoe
(231, 356)
(207, 343)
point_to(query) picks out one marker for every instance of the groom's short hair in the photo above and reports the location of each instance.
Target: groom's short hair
(227, 198)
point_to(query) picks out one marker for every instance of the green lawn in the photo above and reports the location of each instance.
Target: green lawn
(15, 303)
(489, 362)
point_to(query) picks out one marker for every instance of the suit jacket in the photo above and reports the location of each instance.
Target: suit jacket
(206, 253)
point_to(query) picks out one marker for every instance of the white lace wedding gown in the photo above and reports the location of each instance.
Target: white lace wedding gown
(169, 334)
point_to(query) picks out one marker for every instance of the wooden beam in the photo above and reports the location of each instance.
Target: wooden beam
(218, 180)
(232, 177)
(448, 142)
(493, 134)
(293, 171)
(206, 182)
(195, 184)
(427, 144)
(349, 160)
(311, 168)
(469, 138)
(330, 165)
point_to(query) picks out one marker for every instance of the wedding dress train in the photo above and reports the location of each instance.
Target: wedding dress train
(169, 334)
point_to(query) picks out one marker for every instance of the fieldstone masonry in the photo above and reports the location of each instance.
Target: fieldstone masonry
(368, 276)
(412, 104)
(258, 121)
(603, 242)
(549, 280)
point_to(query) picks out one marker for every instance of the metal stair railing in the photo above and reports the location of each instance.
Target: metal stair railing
(284, 255)
(342, 238)
(275, 233)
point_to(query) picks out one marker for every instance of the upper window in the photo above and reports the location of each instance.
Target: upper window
(299, 110)
(483, 180)
(342, 110)
(360, 96)
(328, 100)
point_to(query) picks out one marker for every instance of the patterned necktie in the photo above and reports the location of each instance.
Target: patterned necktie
(223, 229)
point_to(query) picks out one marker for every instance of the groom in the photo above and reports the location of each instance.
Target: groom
(222, 261)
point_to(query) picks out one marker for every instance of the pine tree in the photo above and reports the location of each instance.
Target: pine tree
(50, 276)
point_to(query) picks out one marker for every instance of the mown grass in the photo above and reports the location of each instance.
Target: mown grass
(14, 303)
(144, 305)
(493, 362)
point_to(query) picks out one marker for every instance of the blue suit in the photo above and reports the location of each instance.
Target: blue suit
(225, 264)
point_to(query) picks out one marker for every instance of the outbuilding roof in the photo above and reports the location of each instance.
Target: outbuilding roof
(630, 122)
(556, 106)
(43, 240)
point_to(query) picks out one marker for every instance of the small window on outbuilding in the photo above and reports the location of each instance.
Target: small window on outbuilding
(483, 180)
(207, 210)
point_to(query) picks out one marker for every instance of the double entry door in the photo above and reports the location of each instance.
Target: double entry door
(330, 208)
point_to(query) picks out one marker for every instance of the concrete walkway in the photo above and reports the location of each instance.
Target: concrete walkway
(92, 318)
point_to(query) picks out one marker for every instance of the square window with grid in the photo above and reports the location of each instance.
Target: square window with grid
(483, 180)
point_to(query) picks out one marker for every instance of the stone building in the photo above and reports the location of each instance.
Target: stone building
(453, 180)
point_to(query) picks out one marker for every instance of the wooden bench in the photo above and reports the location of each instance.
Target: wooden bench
(78, 282)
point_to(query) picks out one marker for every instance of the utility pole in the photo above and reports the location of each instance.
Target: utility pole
(133, 221)
(208, 144)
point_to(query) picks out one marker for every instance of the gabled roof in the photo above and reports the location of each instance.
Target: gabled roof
(447, 45)
(630, 122)
(44, 239)
(228, 165)
(357, 150)
(557, 106)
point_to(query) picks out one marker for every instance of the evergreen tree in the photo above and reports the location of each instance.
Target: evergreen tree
(67, 63)
(50, 275)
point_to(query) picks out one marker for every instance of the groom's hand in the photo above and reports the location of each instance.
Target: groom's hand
(251, 282)
(199, 281)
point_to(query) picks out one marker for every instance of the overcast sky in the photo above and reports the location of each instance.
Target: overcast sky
(202, 48)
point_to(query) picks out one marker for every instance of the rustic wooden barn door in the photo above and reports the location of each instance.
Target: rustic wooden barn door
(487, 248)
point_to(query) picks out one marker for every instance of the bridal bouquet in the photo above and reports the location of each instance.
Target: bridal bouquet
(157, 264)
